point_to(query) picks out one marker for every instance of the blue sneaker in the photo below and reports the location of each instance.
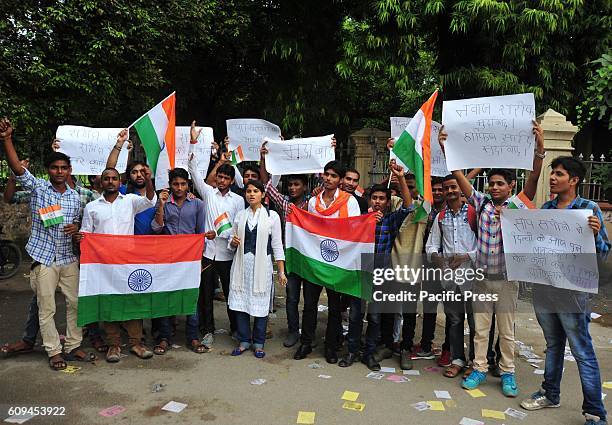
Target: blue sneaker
(594, 420)
(474, 380)
(508, 383)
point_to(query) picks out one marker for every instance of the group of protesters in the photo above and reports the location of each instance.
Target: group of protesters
(462, 229)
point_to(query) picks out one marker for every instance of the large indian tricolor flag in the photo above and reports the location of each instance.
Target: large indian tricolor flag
(126, 277)
(412, 149)
(157, 132)
(328, 251)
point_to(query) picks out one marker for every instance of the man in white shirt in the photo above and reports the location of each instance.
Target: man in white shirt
(221, 206)
(452, 245)
(332, 203)
(113, 213)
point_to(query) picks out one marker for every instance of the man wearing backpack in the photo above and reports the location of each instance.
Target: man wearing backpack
(452, 244)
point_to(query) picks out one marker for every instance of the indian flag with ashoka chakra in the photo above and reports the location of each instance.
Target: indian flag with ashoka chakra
(328, 251)
(126, 277)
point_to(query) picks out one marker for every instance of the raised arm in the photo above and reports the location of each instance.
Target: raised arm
(157, 224)
(464, 183)
(6, 132)
(398, 171)
(198, 182)
(262, 163)
(531, 184)
(113, 157)
(472, 174)
(10, 189)
(210, 179)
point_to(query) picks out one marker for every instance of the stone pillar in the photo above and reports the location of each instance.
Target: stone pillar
(366, 141)
(558, 136)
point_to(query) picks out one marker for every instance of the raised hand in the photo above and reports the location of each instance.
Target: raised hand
(539, 136)
(390, 143)
(334, 143)
(442, 136)
(235, 241)
(396, 169)
(194, 133)
(6, 128)
(164, 195)
(122, 136)
(55, 145)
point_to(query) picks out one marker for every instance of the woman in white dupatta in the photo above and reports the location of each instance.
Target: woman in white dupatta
(256, 236)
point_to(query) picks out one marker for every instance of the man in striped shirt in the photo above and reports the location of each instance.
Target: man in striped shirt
(490, 256)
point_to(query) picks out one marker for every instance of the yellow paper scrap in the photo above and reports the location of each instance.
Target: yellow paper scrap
(351, 405)
(71, 369)
(350, 396)
(608, 385)
(306, 417)
(436, 405)
(475, 393)
(495, 414)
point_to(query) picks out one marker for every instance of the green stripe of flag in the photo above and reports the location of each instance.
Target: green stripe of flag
(405, 149)
(224, 228)
(352, 282)
(150, 142)
(120, 307)
(53, 221)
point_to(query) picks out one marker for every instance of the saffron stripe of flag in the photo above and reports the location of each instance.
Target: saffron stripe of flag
(412, 149)
(328, 251)
(125, 277)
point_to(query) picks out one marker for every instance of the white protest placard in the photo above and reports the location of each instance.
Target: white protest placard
(299, 156)
(493, 132)
(88, 148)
(438, 162)
(202, 149)
(551, 247)
(250, 133)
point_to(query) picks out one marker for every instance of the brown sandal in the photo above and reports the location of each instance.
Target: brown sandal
(452, 371)
(80, 356)
(113, 355)
(198, 347)
(57, 362)
(161, 348)
(19, 347)
(141, 351)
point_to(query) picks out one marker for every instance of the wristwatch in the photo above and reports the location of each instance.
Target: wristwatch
(539, 155)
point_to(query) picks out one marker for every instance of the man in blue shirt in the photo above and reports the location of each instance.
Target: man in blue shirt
(564, 315)
(179, 214)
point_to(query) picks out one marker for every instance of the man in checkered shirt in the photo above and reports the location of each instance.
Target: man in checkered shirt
(502, 295)
(50, 246)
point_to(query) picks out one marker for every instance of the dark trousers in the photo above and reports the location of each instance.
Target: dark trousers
(430, 313)
(355, 323)
(207, 292)
(334, 320)
(312, 293)
(455, 318)
(382, 330)
(258, 336)
(192, 326)
(294, 286)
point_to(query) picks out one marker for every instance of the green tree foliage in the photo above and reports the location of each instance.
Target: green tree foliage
(598, 102)
(485, 47)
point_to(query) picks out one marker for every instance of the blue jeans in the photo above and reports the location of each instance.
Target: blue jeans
(243, 324)
(573, 327)
(355, 324)
(192, 326)
(294, 286)
(373, 332)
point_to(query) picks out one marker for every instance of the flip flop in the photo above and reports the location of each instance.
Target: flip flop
(259, 353)
(10, 350)
(238, 351)
(57, 364)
